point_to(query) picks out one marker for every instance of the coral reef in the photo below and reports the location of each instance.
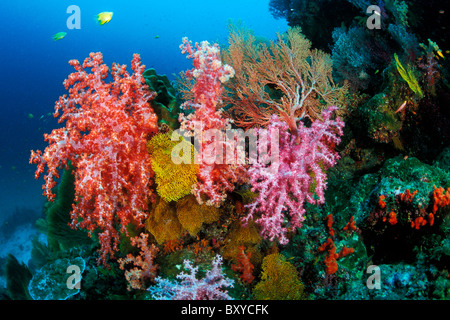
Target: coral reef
(336, 184)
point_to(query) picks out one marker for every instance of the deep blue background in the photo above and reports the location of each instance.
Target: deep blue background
(33, 66)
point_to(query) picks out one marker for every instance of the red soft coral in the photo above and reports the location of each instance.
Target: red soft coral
(244, 265)
(106, 127)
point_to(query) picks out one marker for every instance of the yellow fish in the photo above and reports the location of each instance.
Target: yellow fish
(104, 17)
(59, 36)
(439, 52)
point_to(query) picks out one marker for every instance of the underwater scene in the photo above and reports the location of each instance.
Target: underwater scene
(225, 150)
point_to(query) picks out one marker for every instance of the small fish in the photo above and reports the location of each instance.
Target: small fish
(156, 37)
(104, 17)
(401, 107)
(378, 70)
(59, 36)
(439, 52)
(30, 116)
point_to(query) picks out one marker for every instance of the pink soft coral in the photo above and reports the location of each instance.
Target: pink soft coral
(207, 123)
(106, 127)
(296, 174)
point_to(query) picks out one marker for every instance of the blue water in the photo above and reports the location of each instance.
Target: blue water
(33, 66)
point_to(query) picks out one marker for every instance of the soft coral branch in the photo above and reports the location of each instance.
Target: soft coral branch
(211, 287)
(215, 177)
(144, 267)
(106, 127)
(298, 177)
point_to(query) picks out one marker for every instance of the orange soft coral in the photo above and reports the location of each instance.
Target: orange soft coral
(331, 256)
(407, 196)
(329, 247)
(441, 198)
(171, 246)
(391, 218)
(418, 222)
(144, 268)
(329, 219)
(381, 202)
(350, 226)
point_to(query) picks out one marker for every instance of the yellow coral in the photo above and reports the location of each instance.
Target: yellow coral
(169, 220)
(247, 236)
(279, 280)
(173, 180)
(163, 223)
(192, 215)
